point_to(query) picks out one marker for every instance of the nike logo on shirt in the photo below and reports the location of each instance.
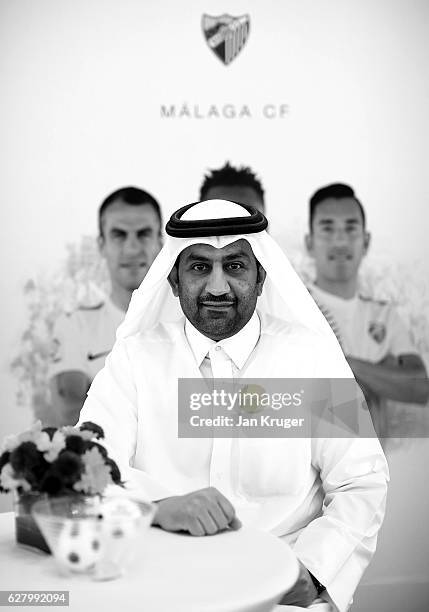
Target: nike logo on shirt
(92, 356)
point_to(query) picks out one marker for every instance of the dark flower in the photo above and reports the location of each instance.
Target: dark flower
(28, 463)
(96, 429)
(24, 456)
(52, 483)
(68, 466)
(4, 458)
(76, 444)
(114, 470)
(70, 461)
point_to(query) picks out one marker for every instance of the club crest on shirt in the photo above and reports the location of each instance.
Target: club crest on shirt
(377, 331)
(226, 35)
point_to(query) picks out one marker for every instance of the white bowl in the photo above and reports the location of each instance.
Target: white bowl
(93, 536)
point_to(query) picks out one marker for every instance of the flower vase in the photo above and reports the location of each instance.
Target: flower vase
(27, 532)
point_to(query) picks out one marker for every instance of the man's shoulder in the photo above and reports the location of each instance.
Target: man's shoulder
(166, 333)
(81, 319)
(281, 328)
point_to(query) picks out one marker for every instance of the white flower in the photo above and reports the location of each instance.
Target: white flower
(31, 435)
(96, 475)
(86, 434)
(69, 430)
(56, 445)
(43, 442)
(9, 482)
(10, 443)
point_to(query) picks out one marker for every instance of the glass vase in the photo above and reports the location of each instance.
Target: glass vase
(27, 532)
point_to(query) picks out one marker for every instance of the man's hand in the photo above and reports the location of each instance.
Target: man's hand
(203, 512)
(303, 592)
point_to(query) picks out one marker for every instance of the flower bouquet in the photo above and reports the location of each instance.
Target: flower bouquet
(48, 462)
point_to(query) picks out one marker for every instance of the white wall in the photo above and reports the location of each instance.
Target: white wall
(82, 87)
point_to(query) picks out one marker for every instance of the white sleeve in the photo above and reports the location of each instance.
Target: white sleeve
(112, 403)
(338, 546)
(67, 353)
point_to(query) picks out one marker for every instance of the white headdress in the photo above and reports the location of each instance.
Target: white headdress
(284, 294)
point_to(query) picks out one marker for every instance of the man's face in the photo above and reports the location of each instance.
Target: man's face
(234, 193)
(130, 242)
(218, 288)
(338, 240)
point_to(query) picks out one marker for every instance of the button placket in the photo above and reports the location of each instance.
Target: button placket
(220, 465)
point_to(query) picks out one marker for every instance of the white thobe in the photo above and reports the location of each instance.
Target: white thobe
(326, 497)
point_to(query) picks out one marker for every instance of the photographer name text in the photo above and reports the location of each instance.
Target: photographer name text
(242, 421)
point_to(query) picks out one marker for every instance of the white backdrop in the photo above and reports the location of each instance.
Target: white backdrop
(80, 115)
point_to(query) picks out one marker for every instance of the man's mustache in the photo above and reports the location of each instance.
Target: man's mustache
(219, 299)
(340, 252)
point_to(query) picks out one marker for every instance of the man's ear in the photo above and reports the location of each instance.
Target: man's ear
(160, 242)
(308, 239)
(366, 242)
(100, 244)
(173, 279)
(260, 279)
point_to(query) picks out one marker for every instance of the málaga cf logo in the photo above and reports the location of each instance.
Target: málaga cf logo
(226, 35)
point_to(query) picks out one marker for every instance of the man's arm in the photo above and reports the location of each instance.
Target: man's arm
(337, 547)
(68, 393)
(401, 378)
(69, 382)
(112, 403)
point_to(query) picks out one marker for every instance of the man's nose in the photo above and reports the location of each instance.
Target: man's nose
(132, 245)
(217, 283)
(340, 237)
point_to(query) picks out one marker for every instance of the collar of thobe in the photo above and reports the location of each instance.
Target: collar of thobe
(237, 347)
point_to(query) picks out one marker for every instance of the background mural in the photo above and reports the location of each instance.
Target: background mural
(103, 94)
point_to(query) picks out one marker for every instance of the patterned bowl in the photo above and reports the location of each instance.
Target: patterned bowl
(92, 535)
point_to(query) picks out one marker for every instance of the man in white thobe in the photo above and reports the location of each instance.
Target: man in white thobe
(325, 497)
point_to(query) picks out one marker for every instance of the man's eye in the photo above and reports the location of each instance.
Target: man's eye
(199, 267)
(234, 266)
(118, 236)
(144, 235)
(324, 229)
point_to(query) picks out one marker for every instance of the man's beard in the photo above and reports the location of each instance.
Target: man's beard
(219, 324)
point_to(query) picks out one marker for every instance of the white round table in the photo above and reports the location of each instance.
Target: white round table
(237, 571)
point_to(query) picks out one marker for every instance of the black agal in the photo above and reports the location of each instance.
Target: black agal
(181, 228)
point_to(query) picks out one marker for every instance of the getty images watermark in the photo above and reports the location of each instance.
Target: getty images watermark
(274, 408)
